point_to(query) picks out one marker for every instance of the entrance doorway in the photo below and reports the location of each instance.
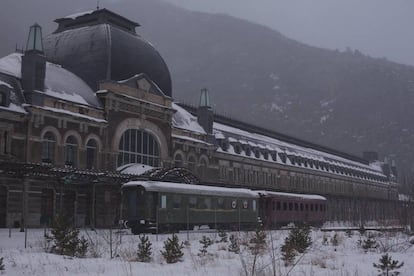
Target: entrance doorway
(47, 207)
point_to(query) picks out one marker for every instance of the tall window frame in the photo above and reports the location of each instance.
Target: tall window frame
(138, 146)
(48, 147)
(91, 154)
(191, 163)
(71, 151)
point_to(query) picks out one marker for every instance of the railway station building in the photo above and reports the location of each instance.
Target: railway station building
(91, 106)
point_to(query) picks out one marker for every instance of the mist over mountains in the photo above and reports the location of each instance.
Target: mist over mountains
(345, 100)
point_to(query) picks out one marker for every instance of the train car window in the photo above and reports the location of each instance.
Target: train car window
(207, 203)
(163, 201)
(316, 207)
(301, 206)
(254, 205)
(177, 202)
(220, 203)
(306, 207)
(296, 207)
(267, 204)
(284, 206)
(278, 205)
(290, 206)
(311, 207)
(273, 203)
(322, 208)
(192, 202)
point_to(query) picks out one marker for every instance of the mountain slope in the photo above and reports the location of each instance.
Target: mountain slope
(345, 100)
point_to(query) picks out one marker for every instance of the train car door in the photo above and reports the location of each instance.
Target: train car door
(3, 206)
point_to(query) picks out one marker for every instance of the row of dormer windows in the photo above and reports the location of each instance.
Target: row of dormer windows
(298, 161)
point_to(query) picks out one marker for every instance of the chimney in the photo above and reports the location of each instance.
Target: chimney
(33, 68)
(204, 112)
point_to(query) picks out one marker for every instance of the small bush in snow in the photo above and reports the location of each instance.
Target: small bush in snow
(368, 244)
(205, 243)
(335, 240)
(172, 250)
(259, 236)
(234, 244)
(348, 233)
(2, 267)
(65, 238)
(223, 236)
(361, 229)
(144, 249)
(386, 265)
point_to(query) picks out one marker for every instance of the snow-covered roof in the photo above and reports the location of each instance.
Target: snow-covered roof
(76, 15)
(74, 114)
(14, 108)
(184, 120)
(134, 168)
(179, 188)
(5, 84)
(191, 139)
(236, 135)
(59, 82)
(290, 195)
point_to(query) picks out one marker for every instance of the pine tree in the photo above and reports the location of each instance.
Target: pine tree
(205, 242)
(2, 267)
(144, 249)
(65, 238)
(386, 265)
(172, 250)
(234, 245)
(299, 238)
(288, 254)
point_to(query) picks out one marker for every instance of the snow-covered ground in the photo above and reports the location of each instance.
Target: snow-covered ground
(322, 258)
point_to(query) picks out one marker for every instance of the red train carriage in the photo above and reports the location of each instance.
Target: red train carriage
(279, 209)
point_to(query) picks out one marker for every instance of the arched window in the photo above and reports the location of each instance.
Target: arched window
(91, 154)
(202, 168)
(48, 147)
(178, 160)
(71, 151)
(138, 146)
(191, 164)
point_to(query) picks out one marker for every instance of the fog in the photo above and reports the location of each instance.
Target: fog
(379, 28)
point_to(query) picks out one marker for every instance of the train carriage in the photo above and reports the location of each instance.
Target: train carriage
(278, 209)
(151, 205)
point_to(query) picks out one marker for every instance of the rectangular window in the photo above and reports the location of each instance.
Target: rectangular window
(278, 206)
(290, 206)
(284, 206)
(254, 205)
(177, 202)
(296, 207)
(192, 202)
(163, 201)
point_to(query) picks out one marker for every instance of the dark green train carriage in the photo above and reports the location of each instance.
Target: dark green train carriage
(151, 206)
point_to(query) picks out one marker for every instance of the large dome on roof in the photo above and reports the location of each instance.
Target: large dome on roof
(102, 45)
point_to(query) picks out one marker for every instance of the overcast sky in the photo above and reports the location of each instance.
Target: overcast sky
(379, 28)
